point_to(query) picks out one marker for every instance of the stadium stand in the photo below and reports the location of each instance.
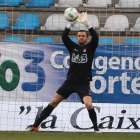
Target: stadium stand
(136, 27)
(68, 3)
(128, 4)
(116, 23)
(13, 39)
(57, 22)
(44, 40)
(74, 39)
(4, 21)
(106, 41)
(102, 14)
(40, 4)
(132, 41)
(26, 22)
(11, 2)
(98, 3)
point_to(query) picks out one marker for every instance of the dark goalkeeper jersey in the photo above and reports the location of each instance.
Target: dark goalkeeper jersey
(81, 57)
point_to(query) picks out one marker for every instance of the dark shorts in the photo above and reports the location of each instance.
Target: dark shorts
(82, 89)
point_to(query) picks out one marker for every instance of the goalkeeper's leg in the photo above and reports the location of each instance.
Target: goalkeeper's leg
(92, 114)
(45, 113)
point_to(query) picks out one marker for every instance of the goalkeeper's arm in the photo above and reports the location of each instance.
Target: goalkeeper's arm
(95, 38)
(82, 18)
(65, 38)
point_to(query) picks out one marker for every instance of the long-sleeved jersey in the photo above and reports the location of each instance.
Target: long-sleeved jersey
(81, 57)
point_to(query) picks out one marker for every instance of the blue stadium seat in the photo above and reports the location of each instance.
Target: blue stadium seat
(21, 1)
(26, 22)
(13, 39)
(4, 21)
(106, 41)
(44, 40)
(39, 3)
(132, 41)
(74, 39)
(10, 2)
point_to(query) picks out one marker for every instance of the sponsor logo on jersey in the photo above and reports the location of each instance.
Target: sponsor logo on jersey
(84, 50)
(76, 58)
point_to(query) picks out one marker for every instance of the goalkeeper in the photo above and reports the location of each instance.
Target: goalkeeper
(79, 74)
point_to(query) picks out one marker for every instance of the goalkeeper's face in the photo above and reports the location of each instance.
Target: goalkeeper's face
(82, 38)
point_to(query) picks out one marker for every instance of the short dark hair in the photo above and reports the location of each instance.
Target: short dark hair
(83, 31)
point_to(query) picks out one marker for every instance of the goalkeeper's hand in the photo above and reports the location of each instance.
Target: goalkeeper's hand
(71, 24)
(82, 18)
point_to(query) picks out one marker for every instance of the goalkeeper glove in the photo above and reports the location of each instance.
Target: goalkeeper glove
(82, 18)
(71, 24)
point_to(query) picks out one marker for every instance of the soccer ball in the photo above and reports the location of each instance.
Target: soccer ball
(71, 14)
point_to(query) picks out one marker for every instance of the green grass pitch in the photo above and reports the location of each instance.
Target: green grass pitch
(10, 135)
